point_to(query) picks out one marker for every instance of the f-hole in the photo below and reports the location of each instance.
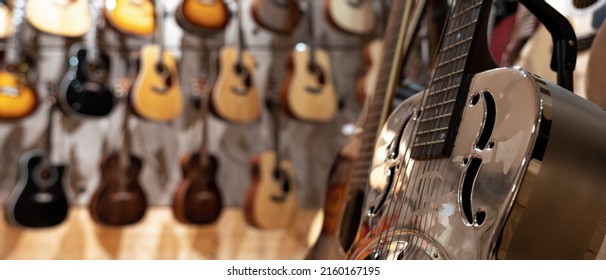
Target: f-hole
(489, 119)
(471, 173)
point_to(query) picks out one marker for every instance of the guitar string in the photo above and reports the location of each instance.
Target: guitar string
(391, 206)
(385, 68)
(413, 177)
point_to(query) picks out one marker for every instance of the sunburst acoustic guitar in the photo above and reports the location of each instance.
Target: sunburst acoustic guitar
(18, 98)
(203, 16)
(131, 17)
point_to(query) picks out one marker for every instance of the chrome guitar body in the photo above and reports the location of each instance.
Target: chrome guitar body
(526, 178)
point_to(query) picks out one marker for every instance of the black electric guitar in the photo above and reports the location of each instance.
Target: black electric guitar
(39, 198)
(84, 90)
(487, 163)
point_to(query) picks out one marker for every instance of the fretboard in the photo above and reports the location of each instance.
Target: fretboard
(377, 102)
(443, 102)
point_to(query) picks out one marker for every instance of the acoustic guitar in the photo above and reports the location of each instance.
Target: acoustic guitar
(271, 200)
(18, 98)
(279, 16)
(68, 18)
(308, 93)
(347, 179)
(198, 197)
(6, 17)
(204, 16)
(365, 86)
(83, 90)
(156, 92)
(131, 17)
(234, 97)
(480, 164)
(355, 17)
(119, 199)
(39, 200)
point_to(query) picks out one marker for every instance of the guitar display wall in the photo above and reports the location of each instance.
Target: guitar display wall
(81, 143)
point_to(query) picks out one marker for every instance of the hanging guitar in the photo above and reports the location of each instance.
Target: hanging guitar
(84, 90)
(203, 16)
(198, 198)
(119, 198)
(355, 17)
(481, 163)
(6, 17)
(234, 97)
(156, 92)
(271, 200)
(69, 18)
(39, 198)
(131, 17)
(18, 98)
(279, 16)
(347, 179)
(308, 93)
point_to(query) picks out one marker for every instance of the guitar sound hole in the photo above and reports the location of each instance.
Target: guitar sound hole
(317, 71)
(163, 72)
(244, 74)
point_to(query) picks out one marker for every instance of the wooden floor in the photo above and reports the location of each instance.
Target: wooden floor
(160, 236)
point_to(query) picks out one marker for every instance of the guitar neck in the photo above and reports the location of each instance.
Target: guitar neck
(310, 26)
(160, 14)
(397, 43)
(240, 32)
(462, 52)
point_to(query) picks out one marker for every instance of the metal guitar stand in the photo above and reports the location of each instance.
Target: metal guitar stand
(564, 57)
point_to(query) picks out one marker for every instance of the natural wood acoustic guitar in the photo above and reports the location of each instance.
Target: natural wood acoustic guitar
(235, 97)
(6, 20)
(352, 16)
(308, 93)
(68, 18)
(271, 200)
(156, 92)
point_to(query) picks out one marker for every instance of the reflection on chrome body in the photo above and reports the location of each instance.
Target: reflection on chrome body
(494, 196)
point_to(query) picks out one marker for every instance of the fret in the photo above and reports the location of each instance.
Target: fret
(428, 143)
(453, 59)
(429, 119)
(431, 93)
(428, 107)
(448, 75)
(468, 39)
(432, 130)
(469, 24)
(467, 10)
